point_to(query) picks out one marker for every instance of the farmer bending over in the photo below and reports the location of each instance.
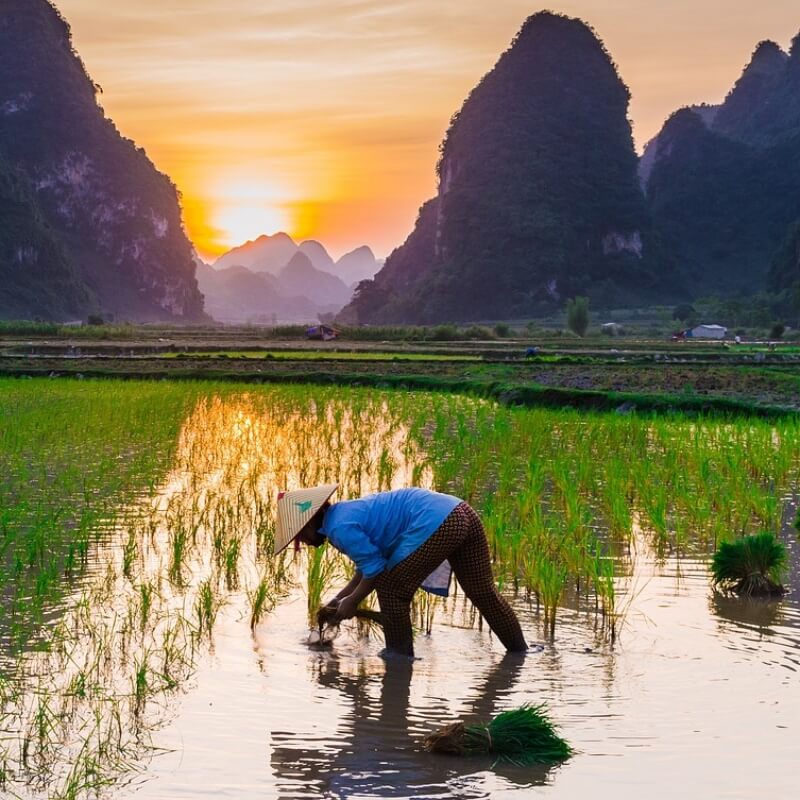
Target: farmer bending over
(400, 541)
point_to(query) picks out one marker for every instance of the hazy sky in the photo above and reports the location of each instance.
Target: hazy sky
(323, 117)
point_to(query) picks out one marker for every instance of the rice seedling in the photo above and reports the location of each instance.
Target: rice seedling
(261, 600)
(207, 606)
(130, 552)
(750, 566)
(146, 591)
(231, 559)
(321, 569)
(141, 686)
(522, 736)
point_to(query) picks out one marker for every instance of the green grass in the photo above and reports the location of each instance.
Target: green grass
(57, 331)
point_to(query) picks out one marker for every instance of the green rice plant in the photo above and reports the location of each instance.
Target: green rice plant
(522, 736)
(207, 607)
(551, 581)
(750, 566)
(140, 686)
(146, 592)
(261, 602)
(231, 559)
(321, 570)
(130, 552)
(424, 607)
(178, 542)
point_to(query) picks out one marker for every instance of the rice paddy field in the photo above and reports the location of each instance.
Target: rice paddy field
(152, 647)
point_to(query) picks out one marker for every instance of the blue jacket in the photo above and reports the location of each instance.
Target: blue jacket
(378, 531)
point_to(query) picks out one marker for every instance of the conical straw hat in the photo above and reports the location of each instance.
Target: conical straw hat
(296, 508)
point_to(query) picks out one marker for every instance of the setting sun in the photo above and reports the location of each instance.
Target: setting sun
(239, 223)
(247, 209)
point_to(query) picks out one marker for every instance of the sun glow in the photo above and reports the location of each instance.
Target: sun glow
(246, 210)
(239, 223)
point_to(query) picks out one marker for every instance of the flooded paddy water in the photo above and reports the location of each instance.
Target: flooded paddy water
(169, 656)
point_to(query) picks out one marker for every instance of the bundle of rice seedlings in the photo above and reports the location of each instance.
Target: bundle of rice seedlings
(751, 566)
(326, 620)
(523, 736)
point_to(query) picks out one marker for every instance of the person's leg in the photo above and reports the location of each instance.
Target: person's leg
(397, 630)
(473, 568)
(396, 588)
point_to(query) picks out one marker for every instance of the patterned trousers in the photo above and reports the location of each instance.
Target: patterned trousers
(461, 540)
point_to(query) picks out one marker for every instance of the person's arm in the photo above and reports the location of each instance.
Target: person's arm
(352, 540)
(349, 603)
(354, 581)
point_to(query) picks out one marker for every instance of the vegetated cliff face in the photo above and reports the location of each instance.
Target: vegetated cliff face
(97, 228)
(785, 269)
(538, 197)
(724, 187)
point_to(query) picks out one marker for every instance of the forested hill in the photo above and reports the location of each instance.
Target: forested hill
(724, 185)
(89, 224)
(538, 196)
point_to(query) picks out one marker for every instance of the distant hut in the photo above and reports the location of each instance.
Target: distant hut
(323, 333)
(707, 332)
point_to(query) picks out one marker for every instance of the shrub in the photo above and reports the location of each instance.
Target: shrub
(444, 333)
(478, 332)
(578, 315)
(502, 330)
(750, 566)
(777, 331)
(684, 312)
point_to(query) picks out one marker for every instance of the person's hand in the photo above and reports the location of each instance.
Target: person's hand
(346, 608)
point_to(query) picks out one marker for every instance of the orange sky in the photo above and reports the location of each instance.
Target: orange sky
(323, 118)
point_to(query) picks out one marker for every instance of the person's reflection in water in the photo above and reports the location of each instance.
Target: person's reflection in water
(380, 751)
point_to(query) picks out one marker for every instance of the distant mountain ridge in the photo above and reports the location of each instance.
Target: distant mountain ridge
(239, 295)
(723, 182)
(272, 253)
(272, 278)
(538, 197)
(89, 224)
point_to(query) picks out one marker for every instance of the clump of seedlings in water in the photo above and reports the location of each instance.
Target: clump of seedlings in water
(523, 736)
(752, 566)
